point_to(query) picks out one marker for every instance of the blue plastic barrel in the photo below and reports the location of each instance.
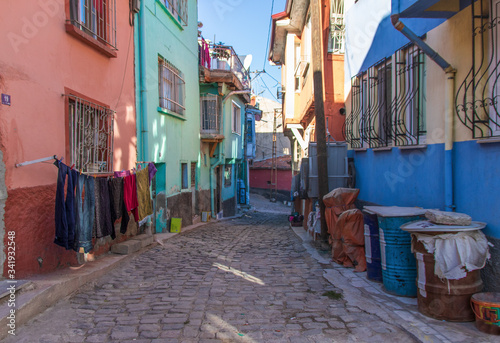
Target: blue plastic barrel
(399, 267)
(372, 247)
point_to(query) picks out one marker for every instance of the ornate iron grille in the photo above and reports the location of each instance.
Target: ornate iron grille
(377, 115)
(91, 135)
(354, 121)
(477, 99)
(171, 87)
(209, 113)
(408, 105)
(95, 17)
(179, 9)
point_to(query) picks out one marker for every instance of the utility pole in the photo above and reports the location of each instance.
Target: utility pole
(274, 166)
(319, 109)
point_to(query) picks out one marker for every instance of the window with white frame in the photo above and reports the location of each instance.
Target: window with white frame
(236, 118)
(90, 135)
(179, 9)
(171, 87)
(337, 27)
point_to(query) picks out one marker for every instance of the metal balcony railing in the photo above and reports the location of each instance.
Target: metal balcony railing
(223, 57)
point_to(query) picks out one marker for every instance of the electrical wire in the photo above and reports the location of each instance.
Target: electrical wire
(268, 35)
(126, 64)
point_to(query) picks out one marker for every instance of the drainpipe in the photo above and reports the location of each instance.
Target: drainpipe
(142, 80)
(449, 107)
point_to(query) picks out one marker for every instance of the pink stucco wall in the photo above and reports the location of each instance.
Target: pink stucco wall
(38, 61)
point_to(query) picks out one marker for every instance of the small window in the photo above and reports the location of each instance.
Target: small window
(184, 173)
(171, 87)
(228, 171)
(209, 113)
(90, 135)
(96, 18)
(236, 120)
(179, 9)
(193, 174)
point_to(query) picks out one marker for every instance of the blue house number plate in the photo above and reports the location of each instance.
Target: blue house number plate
(5, 99)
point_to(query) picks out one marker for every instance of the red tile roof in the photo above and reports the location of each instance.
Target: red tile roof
(283, 162)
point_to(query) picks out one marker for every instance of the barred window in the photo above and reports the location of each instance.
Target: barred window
(179, 9)
(209, 113)
(97, 18)
(228, 175)
(388, 102)
(171, 87)
(91, 135)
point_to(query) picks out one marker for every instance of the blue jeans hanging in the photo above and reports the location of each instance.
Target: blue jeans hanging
(65, 207)
(85, 212)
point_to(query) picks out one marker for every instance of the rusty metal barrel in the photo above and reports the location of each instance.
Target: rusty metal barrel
(441, 298)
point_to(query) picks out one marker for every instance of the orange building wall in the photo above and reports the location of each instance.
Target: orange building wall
(38, 59)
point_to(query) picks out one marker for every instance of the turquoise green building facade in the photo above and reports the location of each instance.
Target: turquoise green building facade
(168, 110)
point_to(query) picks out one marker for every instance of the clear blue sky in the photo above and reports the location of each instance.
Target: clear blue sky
(244, 24)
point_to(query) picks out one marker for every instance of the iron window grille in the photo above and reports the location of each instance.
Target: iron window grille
(171, 87)
(336, 44)
(179, 9)
(409, 97)
(97, 18)
(209, 108)
(477, 98)
(91, 135)
(236, 119)
(388, 102)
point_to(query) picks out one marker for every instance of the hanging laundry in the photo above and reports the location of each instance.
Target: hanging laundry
(102, 226)
(116, 196)
(85, 212)
(118, 208)
(152, 171)
(64, 207)
(130, 195)
(122, 173)
(143, 194)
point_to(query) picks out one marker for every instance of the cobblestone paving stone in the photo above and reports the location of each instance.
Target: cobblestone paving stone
(242, 280)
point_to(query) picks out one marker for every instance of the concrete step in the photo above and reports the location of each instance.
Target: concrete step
(144, 239)
(126, 248)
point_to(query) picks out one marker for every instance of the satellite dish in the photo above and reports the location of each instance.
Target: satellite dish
(247, 61)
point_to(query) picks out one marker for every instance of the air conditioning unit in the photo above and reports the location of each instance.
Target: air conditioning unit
(135, 6)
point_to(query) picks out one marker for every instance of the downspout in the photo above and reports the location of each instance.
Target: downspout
(449, 107)
(221, 148)
(142, 80)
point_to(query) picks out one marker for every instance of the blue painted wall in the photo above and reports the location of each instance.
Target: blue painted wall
(415, 178)
(401, 177)
(477, 182)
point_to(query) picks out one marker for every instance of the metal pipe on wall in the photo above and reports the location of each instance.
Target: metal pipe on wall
(449, 107)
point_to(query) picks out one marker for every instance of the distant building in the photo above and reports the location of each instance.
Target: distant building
(264, 130)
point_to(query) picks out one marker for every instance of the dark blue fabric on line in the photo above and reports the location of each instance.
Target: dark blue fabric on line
(64, 207)
(85, 212)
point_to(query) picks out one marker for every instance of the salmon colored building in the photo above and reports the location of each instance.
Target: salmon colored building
(291, 48)
(67, 84)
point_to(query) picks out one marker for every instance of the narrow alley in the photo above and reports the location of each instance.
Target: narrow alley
(247, 279)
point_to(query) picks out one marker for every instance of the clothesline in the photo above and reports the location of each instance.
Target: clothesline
(87, 207)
